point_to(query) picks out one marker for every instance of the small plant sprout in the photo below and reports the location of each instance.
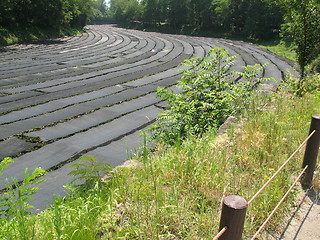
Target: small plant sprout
(88, 170)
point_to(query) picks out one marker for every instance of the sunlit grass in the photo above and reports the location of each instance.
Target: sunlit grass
(28, 34)
(280, 49)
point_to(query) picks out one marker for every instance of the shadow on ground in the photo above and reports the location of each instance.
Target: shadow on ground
(302, 217)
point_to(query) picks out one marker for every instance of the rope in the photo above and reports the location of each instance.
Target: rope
(279, 170)
(281, 201)
(223, 230)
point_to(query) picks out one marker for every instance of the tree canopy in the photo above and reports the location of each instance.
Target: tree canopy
(256, 19)
(302, 28)
(260, 19)
(54, 14)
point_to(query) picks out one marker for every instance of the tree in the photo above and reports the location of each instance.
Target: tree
(125, 11)
(163, 6)
(151, 12)
(301, 28)
(263, 20)
(53, 14)
(255, 19)
(177, 12)
(83, 10)
(6, 12)
(200, 13)
(100, 12)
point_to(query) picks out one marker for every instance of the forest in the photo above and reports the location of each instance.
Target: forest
(48, 13)
(257, 19)
(252, 19)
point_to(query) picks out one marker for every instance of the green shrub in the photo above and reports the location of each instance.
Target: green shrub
(210, 94)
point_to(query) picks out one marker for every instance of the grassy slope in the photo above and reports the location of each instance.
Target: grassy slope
(279, 48)
(20, 35)
(176, 194)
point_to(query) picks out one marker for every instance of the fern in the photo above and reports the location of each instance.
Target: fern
(14, 202)
(88, 170)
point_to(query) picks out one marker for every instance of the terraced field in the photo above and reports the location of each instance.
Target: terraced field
(91, 94)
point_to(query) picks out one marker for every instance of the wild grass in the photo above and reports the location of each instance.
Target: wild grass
(22, 35)
(176, 192)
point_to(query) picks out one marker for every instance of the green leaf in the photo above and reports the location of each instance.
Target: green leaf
(89, 169)
(4, 163)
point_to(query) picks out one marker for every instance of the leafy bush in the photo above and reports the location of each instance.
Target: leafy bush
(210, 94)
(301, 29)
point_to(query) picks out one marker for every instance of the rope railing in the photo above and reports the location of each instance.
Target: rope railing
(280, 169)
(222, 231)
(278, 205)
(234, 207)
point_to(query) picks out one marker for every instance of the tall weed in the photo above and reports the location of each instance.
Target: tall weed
(14, 204)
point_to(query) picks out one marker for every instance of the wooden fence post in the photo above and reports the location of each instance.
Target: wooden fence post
(233, 216)
(311, 153)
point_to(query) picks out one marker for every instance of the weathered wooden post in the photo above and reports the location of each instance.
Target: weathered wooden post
(233, 216)
(311, 153)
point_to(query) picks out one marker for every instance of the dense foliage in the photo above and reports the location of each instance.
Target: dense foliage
(302, 29)
(250, 18)
(49, 15)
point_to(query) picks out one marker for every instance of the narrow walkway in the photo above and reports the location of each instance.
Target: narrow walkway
(304, 223)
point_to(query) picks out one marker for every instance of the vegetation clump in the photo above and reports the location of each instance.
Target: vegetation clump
(301, 29)
(210, 93)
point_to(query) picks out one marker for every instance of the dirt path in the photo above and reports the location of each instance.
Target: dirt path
(304, 222)
(92, 93)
